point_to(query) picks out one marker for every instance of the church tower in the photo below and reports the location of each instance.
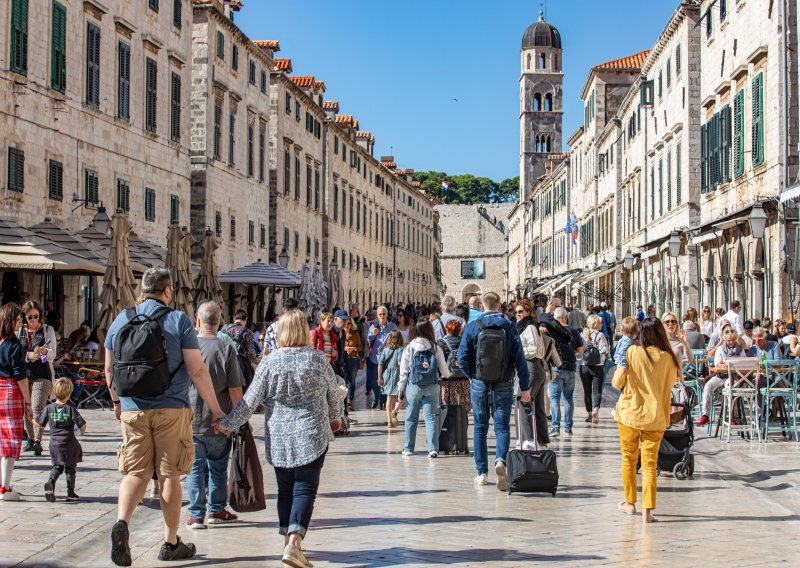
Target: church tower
(540, 101)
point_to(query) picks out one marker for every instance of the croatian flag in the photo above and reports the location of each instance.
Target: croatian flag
(572, 227)
(445, 185)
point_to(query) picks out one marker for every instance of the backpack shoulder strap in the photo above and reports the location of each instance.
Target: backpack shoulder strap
(480, 324)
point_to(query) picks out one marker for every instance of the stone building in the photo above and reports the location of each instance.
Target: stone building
(230, 129)
(474, 249)
(94, 100)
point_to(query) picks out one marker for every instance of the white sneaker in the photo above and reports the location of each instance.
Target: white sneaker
(500, 470)
(528, 446)
(10, 495)
(481, 480)
(408, 453)
(433, 454)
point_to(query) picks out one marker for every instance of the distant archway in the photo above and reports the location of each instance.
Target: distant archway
(470, 290)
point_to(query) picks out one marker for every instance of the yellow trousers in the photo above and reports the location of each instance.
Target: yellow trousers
(630, 440)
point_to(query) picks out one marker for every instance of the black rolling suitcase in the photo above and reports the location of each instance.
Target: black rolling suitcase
(531, 471)
(453, 437)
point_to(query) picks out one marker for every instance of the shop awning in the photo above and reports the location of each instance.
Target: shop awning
(704, 238)
(564, 284)
(23, 250)
(549, 287)
(790, 193)
(596, 274)
(263, 275)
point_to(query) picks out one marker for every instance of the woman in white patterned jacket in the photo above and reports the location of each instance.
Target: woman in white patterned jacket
(301, 398)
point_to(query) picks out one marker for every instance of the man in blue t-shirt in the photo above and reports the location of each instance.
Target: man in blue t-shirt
(157, 430)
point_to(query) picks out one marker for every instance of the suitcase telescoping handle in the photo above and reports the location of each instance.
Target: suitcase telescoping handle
(532, 415)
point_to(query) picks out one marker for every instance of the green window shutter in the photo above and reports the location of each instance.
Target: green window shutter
(726, 144)
(703, 159)
(660, 187)
(58, 51)
(678, 60)
(669, 181)
(652, 192)
(92, 65)
(151, 95)
(758, 120)
(217, 129)
(175, 99)
(16, 169)
(124, 82)
(738, 134)
(678, 175)
(220, 46)
(232, 139)
(19, 36)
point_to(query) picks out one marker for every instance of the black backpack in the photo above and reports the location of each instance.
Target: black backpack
(591, 354)
(490, 353)
(140, 356)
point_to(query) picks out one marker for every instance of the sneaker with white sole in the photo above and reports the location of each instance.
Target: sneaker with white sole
(433, 454)
(295, 558)
(481, 480)
(224, 516)
(554, 432)
(408, 453)
(500, 471)
(9, 495)
(528, 446)
(196, 524)
(568, 432)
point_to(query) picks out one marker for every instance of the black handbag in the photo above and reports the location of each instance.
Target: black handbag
(245, 479)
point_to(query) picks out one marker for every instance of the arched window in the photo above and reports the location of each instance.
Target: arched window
(549, 146)
(538, 144)
(529, 61)
(555, 62)
(543, 61)
(548, 102)
(537, 102)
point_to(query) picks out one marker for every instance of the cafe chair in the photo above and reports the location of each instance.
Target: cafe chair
(740, 398)
(94, 384)
(779, 397)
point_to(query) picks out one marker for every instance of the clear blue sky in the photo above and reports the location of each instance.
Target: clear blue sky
(396, 66)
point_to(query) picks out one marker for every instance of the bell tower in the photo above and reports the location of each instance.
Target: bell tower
(540, 101)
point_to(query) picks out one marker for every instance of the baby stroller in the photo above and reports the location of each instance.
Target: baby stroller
(675, 454)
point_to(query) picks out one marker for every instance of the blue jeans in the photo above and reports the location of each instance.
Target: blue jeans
(563, 384)
(209, 469)
(426, 398)
(297, 492)
(351, 370)
(495, 400)
(372, 381)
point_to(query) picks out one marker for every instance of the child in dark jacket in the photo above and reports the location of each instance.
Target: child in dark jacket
(65, 450)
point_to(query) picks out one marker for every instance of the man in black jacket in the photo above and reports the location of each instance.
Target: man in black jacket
(554, 328)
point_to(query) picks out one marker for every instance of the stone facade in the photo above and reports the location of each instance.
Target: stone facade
(230, 136)
(474, 233)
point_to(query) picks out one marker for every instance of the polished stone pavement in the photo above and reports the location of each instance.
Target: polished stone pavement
(377, 508)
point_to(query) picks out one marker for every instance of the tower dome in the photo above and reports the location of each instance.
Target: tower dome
(541, 34)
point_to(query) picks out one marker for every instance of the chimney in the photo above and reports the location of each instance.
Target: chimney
(231, 7)
(331, 109)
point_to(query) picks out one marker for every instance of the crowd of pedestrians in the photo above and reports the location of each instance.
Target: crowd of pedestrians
(181, 388)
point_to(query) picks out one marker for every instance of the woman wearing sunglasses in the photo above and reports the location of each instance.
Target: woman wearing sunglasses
(729, 348)
(677, 339)
(39, 341)
(707, 322)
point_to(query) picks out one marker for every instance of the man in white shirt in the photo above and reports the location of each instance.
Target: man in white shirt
(448, 314)
(733, 316)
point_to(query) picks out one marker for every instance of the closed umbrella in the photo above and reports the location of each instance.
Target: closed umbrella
(184, 285)
(320, 288)
(119, 286)
(207, 286)
(305, 298)
(339, 289)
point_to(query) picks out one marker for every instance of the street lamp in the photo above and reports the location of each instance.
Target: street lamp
(628, 261)
(604, 265)
(674, 244)
(389, 275)
(283, 258)
(334, 267)
(101, 220)
(757, 221)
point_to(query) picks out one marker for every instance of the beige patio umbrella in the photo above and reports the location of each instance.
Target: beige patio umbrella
(119, 285)
(179, 246)
(207, 286)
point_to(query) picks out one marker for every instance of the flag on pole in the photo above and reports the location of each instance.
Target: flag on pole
(445, 185)
(572, 227)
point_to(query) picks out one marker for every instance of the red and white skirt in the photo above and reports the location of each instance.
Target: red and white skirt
(12, 412)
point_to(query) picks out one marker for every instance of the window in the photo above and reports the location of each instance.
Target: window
(723, 9)
(175, 110)
(358, 216)
(19, 36)
(124, 81)
(316, 190)
(91, 190)
(177, 13)
(738, 134)
(153, 5)
(297, 179)
(316, 248)
(308, 186)
(351, 211)
(233, 228)
(174, 210)
(669, 181)
(308, 247)
(344, 207)
(16, 169)
(286, 239)
(288, 103)
(678, 60)
(287, 171)
(336, 145)
(263, 237)
(262, 148)
(217, 129)
(335, 202)
(252, 72)
(56, 180)
(58, 49)
(251, 233)
(678, 175)
(220, 46)
(92, 65)
(123, 195)
(218, 224)
(758, 120)
(709, 24)
(151, 95)
(149, 204)
(715, 138)
(669, 73)
(344, 153)
(250, 143)
(235, 57)
(660, 85)
(296, 243)
(297, 110)
(264, 82)
(231, 139)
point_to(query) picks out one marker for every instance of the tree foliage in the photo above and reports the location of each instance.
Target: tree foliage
(467, 189)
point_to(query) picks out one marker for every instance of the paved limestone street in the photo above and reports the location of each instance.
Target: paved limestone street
(377, 508)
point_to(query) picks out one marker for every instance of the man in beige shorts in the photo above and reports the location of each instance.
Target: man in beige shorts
(157, 429)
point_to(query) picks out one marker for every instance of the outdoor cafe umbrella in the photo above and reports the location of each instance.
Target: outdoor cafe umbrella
(305, 298)
(207, 286)
(333, 299)
(176, 264)
(184, 283)
(320, 288)
(119, 286)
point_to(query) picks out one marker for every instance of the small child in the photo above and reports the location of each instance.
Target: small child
(629, 331)
(389, 374)
(65, 450)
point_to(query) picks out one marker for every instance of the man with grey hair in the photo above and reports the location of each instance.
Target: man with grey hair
(762, 348)
(212, 449)
(563, 385)
(156, 428)
(448, 314)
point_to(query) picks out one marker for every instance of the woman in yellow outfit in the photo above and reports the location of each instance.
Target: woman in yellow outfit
(643, 411)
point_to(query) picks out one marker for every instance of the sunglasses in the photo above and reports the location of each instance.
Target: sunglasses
(670, 322)
(729, 332)
(32, 317)
(519, 311)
